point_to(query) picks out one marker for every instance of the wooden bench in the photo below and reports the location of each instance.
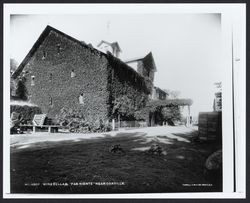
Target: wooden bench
(51, 128)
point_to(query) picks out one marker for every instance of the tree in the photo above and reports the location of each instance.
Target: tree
(21, 91)
(218, 85)
(217, 105)
(124, 106)
(172, 94)
(171, 114)
(13, 65)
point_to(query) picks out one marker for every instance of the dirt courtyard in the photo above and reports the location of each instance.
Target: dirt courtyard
(82, 163)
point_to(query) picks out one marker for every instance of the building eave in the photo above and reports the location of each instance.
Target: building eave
(39, 41)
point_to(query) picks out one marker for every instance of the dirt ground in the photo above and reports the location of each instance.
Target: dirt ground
(82, 163)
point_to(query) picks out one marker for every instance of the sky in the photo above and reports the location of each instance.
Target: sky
(186, 47)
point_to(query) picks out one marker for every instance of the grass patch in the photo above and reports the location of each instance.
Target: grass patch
(89, 161)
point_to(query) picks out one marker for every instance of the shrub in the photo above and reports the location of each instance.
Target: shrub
(72, 118)
(123, 106)
(21, 91)
(26, 112)
(75, 120)
(171, 114)
(163, 111)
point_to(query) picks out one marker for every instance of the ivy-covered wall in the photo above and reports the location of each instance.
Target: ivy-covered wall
(127, 87)
(59, 69)
(51, 67)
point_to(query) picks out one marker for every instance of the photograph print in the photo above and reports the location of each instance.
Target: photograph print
(115, 103)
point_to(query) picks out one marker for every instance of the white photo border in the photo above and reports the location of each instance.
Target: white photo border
(233, 17)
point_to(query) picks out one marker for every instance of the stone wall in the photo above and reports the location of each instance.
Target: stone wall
(124, 81)
(54, 88)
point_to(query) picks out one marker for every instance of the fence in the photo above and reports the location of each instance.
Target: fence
(210, 126)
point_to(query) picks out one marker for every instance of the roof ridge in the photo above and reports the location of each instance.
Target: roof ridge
(40, 39)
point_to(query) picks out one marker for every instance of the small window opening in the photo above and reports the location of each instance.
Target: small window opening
(50, 101)
(50, 76)
(32, 80)
(72, 74)
(148, 73)
(59, 48)
(81, 99)
(44, 54)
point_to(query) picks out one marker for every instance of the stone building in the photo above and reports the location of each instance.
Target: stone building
(158, 94)
(145, 66)
(64, 72)
(113, 48)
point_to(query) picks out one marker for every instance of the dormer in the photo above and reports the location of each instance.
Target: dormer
(113, 48)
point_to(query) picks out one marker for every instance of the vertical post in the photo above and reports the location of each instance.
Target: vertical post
(34, 129)
(113, 124)
(49, 129)
(119, 121)
(188, 117)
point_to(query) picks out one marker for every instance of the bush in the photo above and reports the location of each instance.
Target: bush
(21, 91)
(123, 106)
(26, 112)
(75, 120)
(171, 114)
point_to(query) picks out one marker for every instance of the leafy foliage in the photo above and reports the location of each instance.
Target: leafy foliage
(27, 112)
(74, 119)
(128, 74)
(217, 106)
(21, 90)
(165, 110)
(169, 102)
(13, 65)
(172, 94)
(171, 114)
(124, 106)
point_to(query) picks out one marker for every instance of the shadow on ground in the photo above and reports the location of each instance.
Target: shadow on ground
(77, 162)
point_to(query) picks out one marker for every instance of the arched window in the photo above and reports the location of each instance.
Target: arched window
(81, 99)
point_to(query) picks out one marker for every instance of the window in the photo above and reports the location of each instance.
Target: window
(32, 80)
(72, 74)
(50, 76)
(44, 55)
(148, 73)
(50, 101)
(59, 48)
(81, 99)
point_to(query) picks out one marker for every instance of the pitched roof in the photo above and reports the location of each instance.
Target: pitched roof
(39, 41)
(133, 59)
(159, 89)
(113, 44)
(147, 60)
